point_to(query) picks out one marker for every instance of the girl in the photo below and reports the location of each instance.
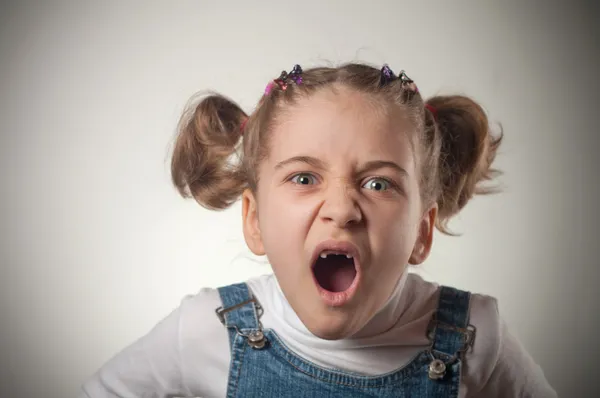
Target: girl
(343, 173)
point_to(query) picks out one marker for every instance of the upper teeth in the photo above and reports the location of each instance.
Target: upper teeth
(326, 253)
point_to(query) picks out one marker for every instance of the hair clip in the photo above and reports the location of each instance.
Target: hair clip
(282, 81)
(407, 81)
(387, 75)
(296, 74)
(404, 78)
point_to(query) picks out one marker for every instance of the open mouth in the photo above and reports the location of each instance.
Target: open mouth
(335, 270)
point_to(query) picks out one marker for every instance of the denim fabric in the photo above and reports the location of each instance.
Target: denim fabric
(273, 370)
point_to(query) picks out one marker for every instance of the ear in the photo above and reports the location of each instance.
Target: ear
(425, 236)
(250, 223)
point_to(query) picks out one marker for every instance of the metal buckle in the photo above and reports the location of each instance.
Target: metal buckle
(468, 333)
(222, 311)
(256, 338)
(437, 367)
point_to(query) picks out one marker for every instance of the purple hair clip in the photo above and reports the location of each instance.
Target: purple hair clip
(296, 74)
(282, 81)
(387, 76)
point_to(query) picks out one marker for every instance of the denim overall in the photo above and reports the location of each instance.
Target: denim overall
(262, 366)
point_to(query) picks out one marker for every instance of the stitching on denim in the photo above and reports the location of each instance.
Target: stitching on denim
(379, 381)
(239, 345)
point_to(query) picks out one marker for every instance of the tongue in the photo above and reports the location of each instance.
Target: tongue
(335, 273)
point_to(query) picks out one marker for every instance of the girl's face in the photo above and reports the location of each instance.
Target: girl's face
(337, 210)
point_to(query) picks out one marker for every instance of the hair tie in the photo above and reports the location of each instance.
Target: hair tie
(433, 111)
(243, 126)
(269, 87)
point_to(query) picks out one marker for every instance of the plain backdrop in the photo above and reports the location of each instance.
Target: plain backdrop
(96, 246)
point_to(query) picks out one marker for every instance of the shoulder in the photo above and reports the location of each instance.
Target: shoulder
(200, 307)
(483, 355)
(497, 364)
(199, 324)
(204, 341)
(197, 315)
(483, 317)
(483, 309)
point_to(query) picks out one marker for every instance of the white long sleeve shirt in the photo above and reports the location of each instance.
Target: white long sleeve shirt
(187, 354)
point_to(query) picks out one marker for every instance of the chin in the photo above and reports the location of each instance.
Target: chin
(330, 334)
(329, 326)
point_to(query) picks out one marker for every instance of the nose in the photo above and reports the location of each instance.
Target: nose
(341, 206)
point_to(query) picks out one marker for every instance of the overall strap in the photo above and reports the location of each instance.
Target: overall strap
(240, 311)
(451, 331)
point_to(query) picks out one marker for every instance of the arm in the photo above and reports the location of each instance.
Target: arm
(515, 373)
(498, 366)
(150, 367)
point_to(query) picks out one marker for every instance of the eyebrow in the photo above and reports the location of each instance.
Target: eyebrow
(319, 164)
(314, 162)
(383, 164)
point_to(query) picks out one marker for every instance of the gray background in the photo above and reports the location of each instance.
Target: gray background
(96, 247)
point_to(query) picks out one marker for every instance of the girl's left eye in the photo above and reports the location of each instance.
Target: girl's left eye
(377, 184)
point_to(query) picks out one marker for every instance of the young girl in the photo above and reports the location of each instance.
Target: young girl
(343, 173)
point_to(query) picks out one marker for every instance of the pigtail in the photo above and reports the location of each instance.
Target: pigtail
(201, 166)
(467, 151)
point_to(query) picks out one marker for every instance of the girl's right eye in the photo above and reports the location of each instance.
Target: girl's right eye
(304, 179)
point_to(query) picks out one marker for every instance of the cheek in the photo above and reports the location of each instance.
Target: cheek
(286, 210)
(281, 224)
(396, 233)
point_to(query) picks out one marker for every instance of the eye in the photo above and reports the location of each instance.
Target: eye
(304, 179)
(377, 184)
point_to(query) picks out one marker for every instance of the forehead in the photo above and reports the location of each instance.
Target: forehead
(344, 124)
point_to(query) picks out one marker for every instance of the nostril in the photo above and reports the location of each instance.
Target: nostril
(344, 222)
(343, 210)
(343, 216)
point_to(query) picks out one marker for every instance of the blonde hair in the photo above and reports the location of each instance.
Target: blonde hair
(455, 147)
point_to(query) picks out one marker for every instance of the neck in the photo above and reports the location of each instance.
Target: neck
(387, 316)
